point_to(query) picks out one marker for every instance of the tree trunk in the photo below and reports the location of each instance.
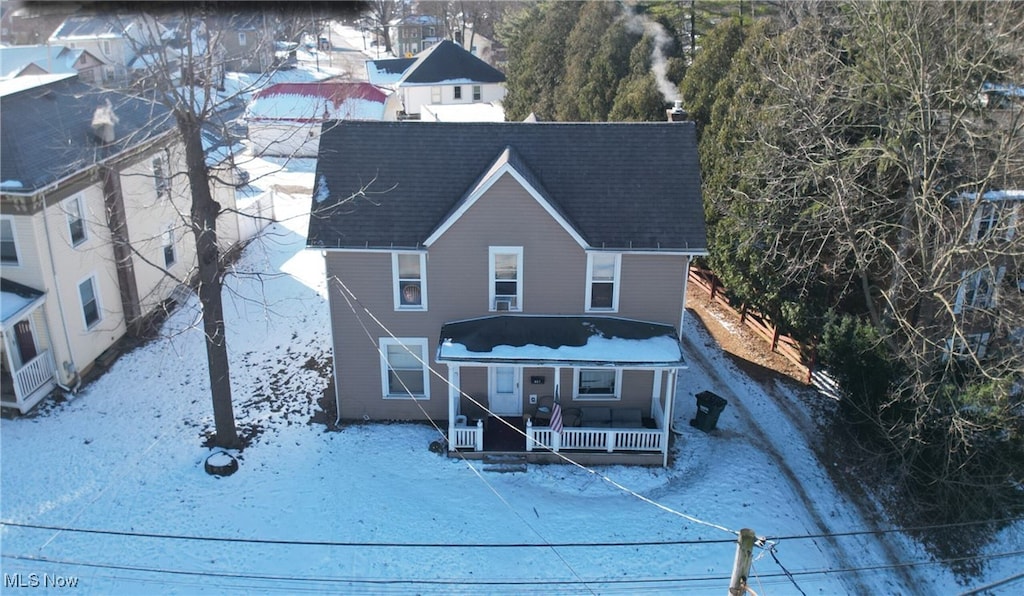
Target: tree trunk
(204, 227)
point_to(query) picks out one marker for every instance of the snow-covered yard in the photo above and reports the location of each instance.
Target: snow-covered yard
(109, 487)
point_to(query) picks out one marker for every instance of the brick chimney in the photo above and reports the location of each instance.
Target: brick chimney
(103, 121)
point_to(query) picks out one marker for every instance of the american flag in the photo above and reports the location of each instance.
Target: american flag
(556, 418)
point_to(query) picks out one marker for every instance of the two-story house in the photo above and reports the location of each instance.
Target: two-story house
(121, 41)
(489, 271)
(445, 75)
(416, 33)
(90, 227)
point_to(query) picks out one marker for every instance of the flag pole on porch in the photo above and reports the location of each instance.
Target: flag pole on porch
(556, 422)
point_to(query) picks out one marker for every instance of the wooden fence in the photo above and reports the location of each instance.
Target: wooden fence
(801, 355)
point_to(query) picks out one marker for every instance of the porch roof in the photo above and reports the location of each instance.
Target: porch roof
(561, 341)
(15, 298)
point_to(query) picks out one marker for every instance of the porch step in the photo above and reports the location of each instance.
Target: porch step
(504, 464)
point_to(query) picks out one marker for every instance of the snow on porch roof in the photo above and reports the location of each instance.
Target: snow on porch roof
(561, 341)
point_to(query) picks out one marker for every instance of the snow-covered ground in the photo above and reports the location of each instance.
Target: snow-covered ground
(109, 489)
(371, 509)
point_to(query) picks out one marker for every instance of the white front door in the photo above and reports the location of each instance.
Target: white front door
(504, 393)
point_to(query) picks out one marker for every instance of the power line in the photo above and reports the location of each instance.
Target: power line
(503, 582)
(290, 542)
(893, 530)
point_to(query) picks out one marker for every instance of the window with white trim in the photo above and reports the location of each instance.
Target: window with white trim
(597, 383)
(161, 181)
(241, 38)
(978, 289)
(435, 94)
(505, 271)
(985, 220)
(961, 348)
(76, 220)
(603, 270)
(476, 91)
(403, 368)
(8, 245)
(90, 301)
(408, 270)
(167, 245)
(458, 92)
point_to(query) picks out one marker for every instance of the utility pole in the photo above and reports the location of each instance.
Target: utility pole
(741, 567)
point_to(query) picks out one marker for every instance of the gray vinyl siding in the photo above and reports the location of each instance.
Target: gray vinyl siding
(554, 275)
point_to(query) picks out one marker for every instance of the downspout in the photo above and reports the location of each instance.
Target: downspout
(686, 279)
(60, 307)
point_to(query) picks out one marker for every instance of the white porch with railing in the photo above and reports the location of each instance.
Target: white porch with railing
(32, 382)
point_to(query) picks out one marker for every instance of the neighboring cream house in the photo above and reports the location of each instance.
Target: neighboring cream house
(442, 75)
(90, 227)
(119, 41)
(18, 61)
(490, 270)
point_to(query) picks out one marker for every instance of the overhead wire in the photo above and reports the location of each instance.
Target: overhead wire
(337, 543)
(476, 581)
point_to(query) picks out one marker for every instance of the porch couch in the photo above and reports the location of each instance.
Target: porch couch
(603, 417)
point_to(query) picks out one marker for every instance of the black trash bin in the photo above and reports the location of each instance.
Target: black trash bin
(709, 406)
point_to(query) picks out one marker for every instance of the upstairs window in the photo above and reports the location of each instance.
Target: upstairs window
(76, 220)
(167, 242)
(476, 93)
(458, 92)
(161, 181)
(435, 94)
(985, 221)
(241, 38)
(8, 246)
(978, 289)
(602, 281)
(963, 348)
(506, 278)
(410, 284)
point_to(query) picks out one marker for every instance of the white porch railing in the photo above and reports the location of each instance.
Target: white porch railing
(467, 437)
(594, 439)
(34, 375)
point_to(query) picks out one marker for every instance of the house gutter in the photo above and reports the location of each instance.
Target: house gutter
(60, 307)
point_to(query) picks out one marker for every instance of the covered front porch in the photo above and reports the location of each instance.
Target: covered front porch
(27, 370)
(609, 381)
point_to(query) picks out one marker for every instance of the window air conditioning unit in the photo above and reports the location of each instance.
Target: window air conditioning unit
(502, 305)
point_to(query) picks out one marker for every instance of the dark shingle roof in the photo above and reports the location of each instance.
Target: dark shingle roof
(47, 130)
(621, 185)
(447, 61)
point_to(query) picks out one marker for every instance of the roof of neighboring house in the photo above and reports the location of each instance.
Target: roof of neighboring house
(88, 26)
(53, 59)
(46, 129)
(387, 72)
(316, 102)
(565, 340)
(615, 185)
(419, 19)
(447, 62)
